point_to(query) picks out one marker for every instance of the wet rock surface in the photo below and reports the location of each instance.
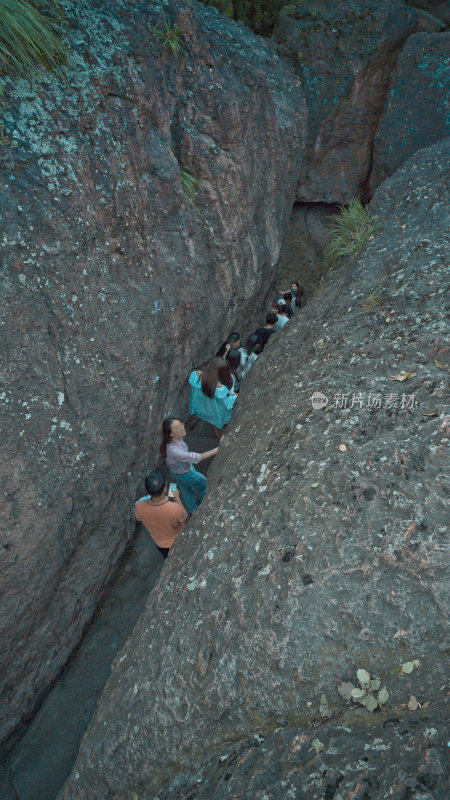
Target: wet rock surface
(113, 285)
(318, 550)
(416, 110)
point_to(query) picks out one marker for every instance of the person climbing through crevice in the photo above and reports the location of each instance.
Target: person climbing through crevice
(289, 299)
(248, 355)
(180, 462)
(162, 518)
(233, 359)
(282, 315)
(233, 341)
(210, 398)
(265, 333)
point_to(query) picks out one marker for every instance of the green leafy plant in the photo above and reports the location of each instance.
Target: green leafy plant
(30, 36)
(371, 302)
(170, 36)
(351, 230)
(189, 184)
(364, 694)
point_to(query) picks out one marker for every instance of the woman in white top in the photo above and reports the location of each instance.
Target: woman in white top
(248, 354)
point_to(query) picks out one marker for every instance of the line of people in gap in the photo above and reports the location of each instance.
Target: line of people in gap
(213, 393)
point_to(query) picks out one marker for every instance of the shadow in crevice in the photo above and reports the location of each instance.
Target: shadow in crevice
(303, 255)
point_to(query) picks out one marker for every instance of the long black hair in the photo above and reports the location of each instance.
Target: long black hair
(233, 359)
(299, 295)
(167, 435)
(252, 341)
(288, 297)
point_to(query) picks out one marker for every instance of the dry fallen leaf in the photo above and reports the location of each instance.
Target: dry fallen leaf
(408, 666)
(383, 696)
(439, 364)
(363, 677)
(399, 633)
(402, 376)
(388, 319)
(345, 690)
(370, 703)
(314, 485)
(342, 448)
(318, 745)
(413, 705)
(323, 708)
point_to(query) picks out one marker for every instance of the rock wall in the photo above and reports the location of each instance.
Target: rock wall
(346, 54)
(113, 284)
(319, 550)
(437, 8)
(416, 112)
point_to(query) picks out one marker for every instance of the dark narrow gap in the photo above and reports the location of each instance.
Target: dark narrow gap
(35, 766)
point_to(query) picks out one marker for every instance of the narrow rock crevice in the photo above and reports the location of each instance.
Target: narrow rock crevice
(303, 254)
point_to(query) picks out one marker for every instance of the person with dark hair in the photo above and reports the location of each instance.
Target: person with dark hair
(180, 461)
(297, 304)
(162, 518)
(249, 354)
(233, 359)
(211, 397)
(234, 340)
(297, 293)
(282, 315)
(288, 298)
(265, 333)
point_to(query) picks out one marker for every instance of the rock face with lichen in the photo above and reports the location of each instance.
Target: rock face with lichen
(436, 8)
(113, 283)
(318, 551)
(346, 54)
(416, 112)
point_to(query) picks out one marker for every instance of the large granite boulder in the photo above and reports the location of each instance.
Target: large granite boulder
(406, 758)
(437, 8)
(344, 53)
(113, 285)
(416, 113)
(318, 551)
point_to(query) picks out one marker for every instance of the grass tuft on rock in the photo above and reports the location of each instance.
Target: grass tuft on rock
(189, 184)
(170, 37)
(351, 230)
(30, 36)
